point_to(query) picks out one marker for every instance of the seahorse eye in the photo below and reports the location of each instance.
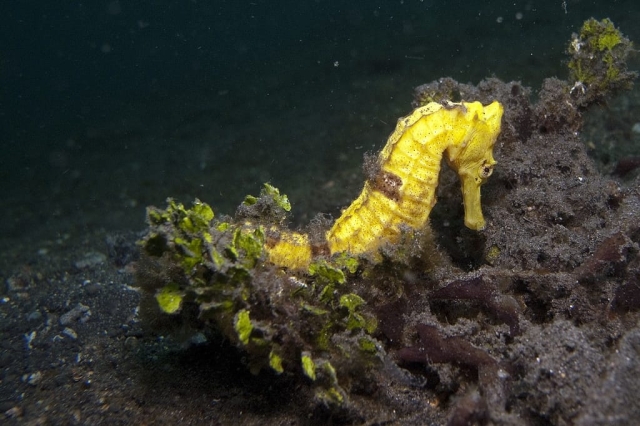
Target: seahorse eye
(485, 171)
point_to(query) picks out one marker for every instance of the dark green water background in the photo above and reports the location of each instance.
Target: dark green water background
(108, 106)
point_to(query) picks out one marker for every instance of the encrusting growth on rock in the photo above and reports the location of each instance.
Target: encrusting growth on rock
(598, 65)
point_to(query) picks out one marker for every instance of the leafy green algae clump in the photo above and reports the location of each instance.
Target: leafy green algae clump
(211, 276)
(598, 60)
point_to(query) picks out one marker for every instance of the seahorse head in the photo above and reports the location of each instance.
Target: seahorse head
(472, 158)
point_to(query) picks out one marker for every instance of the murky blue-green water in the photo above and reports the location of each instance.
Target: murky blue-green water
(108, 106)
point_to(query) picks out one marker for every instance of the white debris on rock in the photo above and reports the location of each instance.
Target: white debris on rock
(79, 313)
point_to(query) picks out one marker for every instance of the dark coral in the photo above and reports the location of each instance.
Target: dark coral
(436, 348)
(493, 379)
(610, 259)
(478, 289)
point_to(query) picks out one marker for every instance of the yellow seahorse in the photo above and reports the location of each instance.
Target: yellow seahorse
(401, 194)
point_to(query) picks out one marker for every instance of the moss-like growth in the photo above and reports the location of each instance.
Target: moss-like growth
(169, 298)
(327, 273)
(308, 366)
(598, 64)
(214, 276)
(346, 262)
(355, 320)
(444, 89)
(492, 254)
(270, 207)
(275, 362)
(243, 326)
(247, 244)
